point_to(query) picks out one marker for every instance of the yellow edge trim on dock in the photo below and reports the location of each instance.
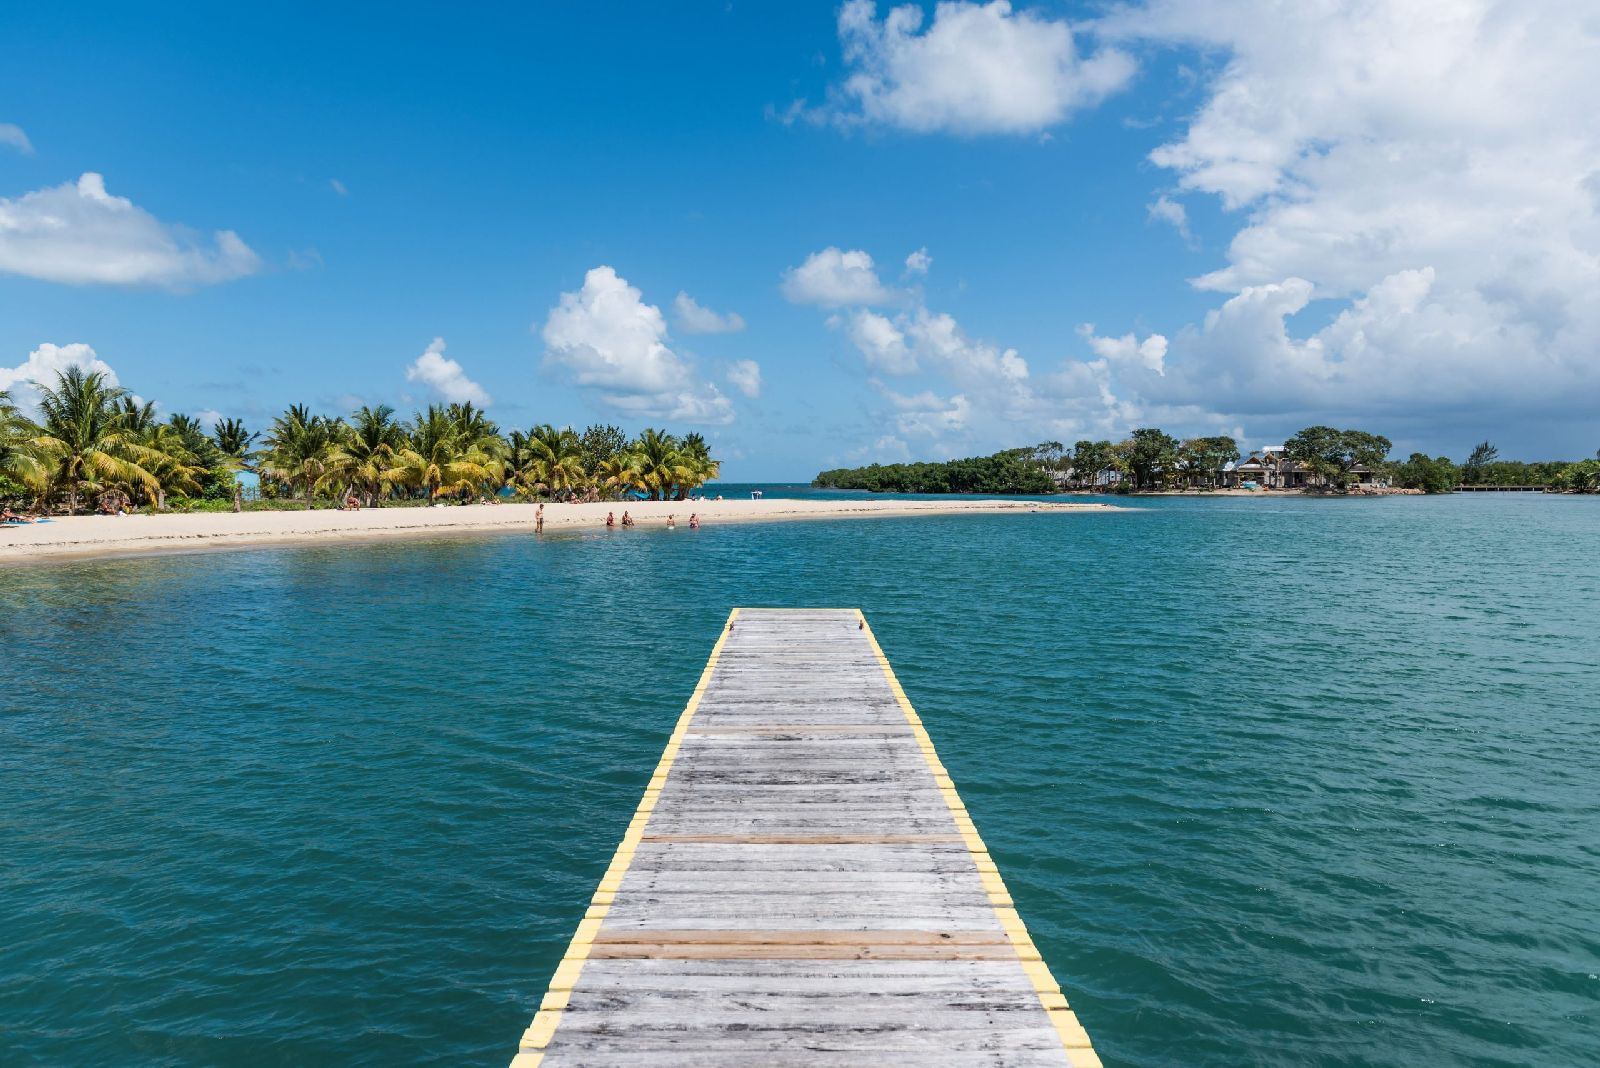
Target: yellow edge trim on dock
(1074, 1039)
(545, 1021)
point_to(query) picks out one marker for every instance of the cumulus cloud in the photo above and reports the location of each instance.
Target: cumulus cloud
(43, 365)
(11, 134)
(445, 377)
(745, 376)
(881, 342)
(605, 338)
(833, 278)
(919, 262)
(1173, 213)
(928, 415)
(693, 318)
(79, 234)
(975, 391)
(976, 69)
(1422, 176)
(1127, 351)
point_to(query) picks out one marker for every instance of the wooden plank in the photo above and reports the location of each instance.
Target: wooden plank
(806, 839)
(882, 938)
(801, 885)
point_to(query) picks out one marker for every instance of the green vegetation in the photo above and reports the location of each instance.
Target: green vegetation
(95, 446)
(1335, 456)
(1150, 459)
(1437, 475)
(1013, 471)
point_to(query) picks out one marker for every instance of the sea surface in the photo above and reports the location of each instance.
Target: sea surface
(1273, 782)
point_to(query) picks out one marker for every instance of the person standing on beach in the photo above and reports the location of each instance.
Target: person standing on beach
(671, 523)
(694, 520)
(538, 519)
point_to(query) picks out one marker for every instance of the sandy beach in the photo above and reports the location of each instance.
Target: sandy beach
(90, 536)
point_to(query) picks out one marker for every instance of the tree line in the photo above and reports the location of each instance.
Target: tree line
(93, 444)
(1011, 471)
(1150, 459)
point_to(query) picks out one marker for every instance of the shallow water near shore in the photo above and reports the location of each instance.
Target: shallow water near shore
(1286, 782)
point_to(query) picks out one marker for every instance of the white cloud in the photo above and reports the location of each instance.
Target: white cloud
(1127, 351)
(972, 393)
(445, 377)
(976, 69)
(607, 339)
(208, 416)
(881, 342)
(79, 234)
(745, 376)
(926, 414)
(940, 343)
(1171, 212)
(11, 134)
(43, 365)
(833, 278)
(338, 187)
(1429, 170)
(919, 262)
(888, 447)
(695, 319)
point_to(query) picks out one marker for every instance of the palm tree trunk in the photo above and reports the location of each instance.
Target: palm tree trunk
(238, 493)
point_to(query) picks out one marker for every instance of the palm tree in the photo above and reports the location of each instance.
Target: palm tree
(137, 415)
(233, 441)
(18, 459)
(437, 457)
(476, 432)
(168, 458)
(298, 448)
(368, 452)
(617, 474)
(230, 436)
(697, 458)
(84, 439)
(554, 461)
(659, 460)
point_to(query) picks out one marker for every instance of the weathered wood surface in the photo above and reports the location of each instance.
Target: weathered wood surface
(801, 886)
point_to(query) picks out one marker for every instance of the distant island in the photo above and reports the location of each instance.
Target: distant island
(1318, 459)
(1010, 471)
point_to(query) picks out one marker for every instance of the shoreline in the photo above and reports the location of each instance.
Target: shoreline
(92, 536)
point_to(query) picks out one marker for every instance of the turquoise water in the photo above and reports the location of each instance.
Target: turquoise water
(1273, 782)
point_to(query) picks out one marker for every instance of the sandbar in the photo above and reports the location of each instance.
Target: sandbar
(91, 536)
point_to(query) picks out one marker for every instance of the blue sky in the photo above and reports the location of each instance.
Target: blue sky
(1387, 218)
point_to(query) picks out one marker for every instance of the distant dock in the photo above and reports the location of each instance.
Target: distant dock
(801, 885)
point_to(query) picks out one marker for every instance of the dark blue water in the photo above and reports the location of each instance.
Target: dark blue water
(1273, 782)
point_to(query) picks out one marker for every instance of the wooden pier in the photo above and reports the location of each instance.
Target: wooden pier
(801, 885)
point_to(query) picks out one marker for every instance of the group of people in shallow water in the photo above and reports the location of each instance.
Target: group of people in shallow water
(627, 520)
(672, 521)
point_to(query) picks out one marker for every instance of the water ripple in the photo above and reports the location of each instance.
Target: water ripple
(1273, 783)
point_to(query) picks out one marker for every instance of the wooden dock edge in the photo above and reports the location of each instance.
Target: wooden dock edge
(1074, 1039)
(1080, 1051)
(545, 1021)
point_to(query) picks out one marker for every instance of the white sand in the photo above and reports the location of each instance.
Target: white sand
(81, 536)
